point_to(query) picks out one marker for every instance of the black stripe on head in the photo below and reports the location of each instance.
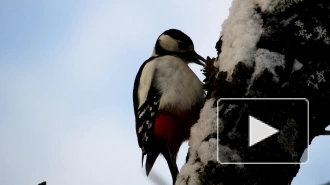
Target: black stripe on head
(184, 42)
(179, 35)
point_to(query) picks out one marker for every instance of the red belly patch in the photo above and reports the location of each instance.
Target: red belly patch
(174, 129)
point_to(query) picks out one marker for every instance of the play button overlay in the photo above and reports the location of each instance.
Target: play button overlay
(259, 131)
(262, 130)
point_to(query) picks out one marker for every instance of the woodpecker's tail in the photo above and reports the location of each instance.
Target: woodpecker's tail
(171, 161)
(151, 158)
(142, 158)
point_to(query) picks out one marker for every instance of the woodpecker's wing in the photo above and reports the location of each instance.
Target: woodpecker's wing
(146, 116)
(146, 113)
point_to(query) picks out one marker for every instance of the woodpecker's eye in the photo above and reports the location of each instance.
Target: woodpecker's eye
(182, 45)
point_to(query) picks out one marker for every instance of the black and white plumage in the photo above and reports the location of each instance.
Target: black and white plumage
(167, 98)
(144, 112)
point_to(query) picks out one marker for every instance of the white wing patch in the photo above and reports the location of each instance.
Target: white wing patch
(145, 81)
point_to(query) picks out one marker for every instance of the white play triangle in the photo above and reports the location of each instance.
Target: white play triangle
(259, 131)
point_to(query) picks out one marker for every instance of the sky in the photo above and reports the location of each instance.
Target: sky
(66, 76)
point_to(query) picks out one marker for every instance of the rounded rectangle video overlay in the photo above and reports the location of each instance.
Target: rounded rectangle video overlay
(262, 130)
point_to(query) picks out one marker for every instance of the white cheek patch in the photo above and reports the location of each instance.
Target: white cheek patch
(145, 81)
(168, 43)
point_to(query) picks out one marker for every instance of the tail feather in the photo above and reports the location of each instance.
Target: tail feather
(142, 159)
(171, 161)
(151, 158)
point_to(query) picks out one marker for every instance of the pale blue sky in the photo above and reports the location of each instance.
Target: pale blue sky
(66, 76)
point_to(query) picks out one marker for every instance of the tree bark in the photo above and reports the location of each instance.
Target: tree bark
(284, 52)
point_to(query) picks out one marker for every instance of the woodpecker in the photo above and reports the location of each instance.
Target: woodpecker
(167, 98)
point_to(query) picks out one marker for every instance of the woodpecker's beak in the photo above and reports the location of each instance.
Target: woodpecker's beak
(198, 59)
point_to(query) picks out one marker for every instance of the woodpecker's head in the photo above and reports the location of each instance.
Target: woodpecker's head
(176, 42)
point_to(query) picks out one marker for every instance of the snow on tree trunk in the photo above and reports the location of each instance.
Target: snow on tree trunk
(267, 48)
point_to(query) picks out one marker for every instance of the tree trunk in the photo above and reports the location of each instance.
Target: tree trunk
(267, 49)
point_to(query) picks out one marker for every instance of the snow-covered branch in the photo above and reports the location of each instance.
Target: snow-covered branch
(267, 49)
